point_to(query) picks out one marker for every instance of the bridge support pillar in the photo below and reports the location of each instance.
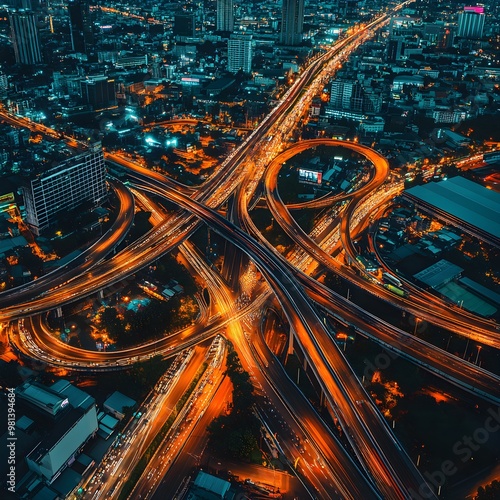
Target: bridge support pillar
(59, 312)
(101, 294)
(322, 401)
(290, 343)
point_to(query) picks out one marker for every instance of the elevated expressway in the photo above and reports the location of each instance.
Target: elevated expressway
(86, 260)
(376, 447)
(457, 371)
(419, 304)
(465, 375)
(345, 476)
(371, 438)
(176, 228)
(171, 232)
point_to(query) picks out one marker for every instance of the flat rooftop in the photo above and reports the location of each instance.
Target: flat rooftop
(439, 273)
(464, 200)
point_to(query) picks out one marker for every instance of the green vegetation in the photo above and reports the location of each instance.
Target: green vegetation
(148, 454)
(72, 229)
(137, 381)
(482, 128)
(168, 268)
(140, 227)
(9, 373)
(152, 321)
(271, 230)
(236, 434)
(489, 492)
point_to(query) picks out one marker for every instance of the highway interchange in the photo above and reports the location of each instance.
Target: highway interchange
(380, 467)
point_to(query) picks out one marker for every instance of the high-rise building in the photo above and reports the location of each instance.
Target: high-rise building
(99, 92)
(348, 99)
(184, 24)
(395, 49)
(225, 15)
(292, 21)
(64, 187)
(471, 22)
(239, 53)
(4, 83)
(25, 37)
(82, 34)
(341, 93)
(346, 8)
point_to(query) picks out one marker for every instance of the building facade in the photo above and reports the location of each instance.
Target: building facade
(184, 24)
(292, 21)
(225, 15)
(98, 92)
(471, 22)
(82, 35)
(240, 53)
(69, 419)
(25, 38)
(63, 187)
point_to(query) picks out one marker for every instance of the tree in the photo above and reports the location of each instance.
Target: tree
(237, 434)
(489, 492)
(112, 322)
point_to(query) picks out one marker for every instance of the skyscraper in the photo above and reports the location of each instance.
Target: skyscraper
(471, 22)
(292, 21)
(80, 23)
(239, 51)
(225, 15)
(25, 37)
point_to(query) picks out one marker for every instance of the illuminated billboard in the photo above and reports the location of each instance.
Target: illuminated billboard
(310, 176)
(478, 9)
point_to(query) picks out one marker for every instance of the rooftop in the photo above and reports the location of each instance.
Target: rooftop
(118, 401)
(439, 273)
(212, 484)
(464, 200)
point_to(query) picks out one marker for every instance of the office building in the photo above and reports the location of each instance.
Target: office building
(471, 22)
(184, 24)
(292, 21)
(4, 84)
(81, 30)
(64, 187)
(239, 50)
(395, 49)
(98, 92)
(225, 15)
(68, 417)
(25, 37)
(346, 95)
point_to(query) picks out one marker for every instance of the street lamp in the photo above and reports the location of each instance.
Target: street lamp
(477, 355)
(417, 321)
(466, 346)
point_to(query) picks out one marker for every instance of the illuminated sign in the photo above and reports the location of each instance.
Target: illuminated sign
(475, 8)
(310, 176)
